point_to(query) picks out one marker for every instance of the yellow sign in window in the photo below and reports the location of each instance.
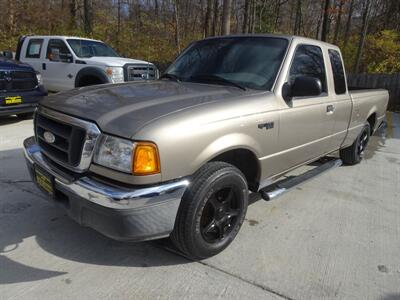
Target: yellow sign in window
(11, 100)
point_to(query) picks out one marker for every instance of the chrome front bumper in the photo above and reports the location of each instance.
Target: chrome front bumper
(118, 212)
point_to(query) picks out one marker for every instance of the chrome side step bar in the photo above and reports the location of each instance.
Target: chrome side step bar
(282, 186)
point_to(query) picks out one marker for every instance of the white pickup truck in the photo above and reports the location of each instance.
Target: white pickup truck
(69, 62)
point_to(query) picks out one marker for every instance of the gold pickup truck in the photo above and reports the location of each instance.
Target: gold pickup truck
(177, 157)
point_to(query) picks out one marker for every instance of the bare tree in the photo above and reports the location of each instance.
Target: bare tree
(253, 16)
(215, 18)
(297, 22)
(118, 21)
(348, 24)
(207, 19)
(363, 34)
(73, 8)
(176, 19)
(278, 4)
(325, 22)
(88, 16)
(226, 17)
(156, 8)
(319, 21)
(338, 21)
(12, 17)
(245, 28)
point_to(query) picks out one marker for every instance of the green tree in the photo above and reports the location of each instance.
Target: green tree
(382, 52)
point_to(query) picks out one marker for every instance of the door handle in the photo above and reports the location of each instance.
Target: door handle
(330, 108)
(43, 66)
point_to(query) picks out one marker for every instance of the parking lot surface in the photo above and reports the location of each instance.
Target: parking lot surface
(335, 237)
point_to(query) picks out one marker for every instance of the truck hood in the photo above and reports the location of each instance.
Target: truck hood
(112, 61)
(10, 64)
(122, 109)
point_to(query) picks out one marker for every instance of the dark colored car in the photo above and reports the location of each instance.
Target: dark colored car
(20, 88)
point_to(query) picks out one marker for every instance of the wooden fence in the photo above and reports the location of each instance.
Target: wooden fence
(390, 82)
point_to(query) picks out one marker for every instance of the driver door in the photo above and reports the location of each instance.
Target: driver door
(58, 70)
(305, 125)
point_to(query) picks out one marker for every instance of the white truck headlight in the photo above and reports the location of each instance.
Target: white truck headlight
(114, 153)
(116, 74)
(39, 78)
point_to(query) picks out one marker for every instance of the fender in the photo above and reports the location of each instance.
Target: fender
(92, 71)
(224, 144)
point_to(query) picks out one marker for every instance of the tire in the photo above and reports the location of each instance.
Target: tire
(25, 116)
(212, 211)
(353, 154)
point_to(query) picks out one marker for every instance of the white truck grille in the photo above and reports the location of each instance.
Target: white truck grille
(140, 72)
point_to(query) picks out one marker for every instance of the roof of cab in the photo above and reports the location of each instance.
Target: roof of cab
(282, 36)
(60, 37)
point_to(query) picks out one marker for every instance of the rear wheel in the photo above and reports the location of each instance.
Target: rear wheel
(25, 116)
(212, 211)
(353, 154)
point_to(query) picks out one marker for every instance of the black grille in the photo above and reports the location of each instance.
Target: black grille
(139, 72)
(13, 81)
(68, 143)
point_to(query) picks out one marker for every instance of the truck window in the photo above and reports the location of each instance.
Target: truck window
(338, 72)
(252, 62)
(58, 46)
(308, 61)
(34, 48)
(88, 48)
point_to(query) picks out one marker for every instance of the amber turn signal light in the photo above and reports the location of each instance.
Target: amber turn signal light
(146, 160)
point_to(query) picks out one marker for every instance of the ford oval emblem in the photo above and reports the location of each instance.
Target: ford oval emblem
(49, 137)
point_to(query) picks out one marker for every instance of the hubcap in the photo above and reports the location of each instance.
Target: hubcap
(220, 215)
(362, 144)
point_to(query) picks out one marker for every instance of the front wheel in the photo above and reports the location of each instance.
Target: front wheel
(353, 154)
(212, 211)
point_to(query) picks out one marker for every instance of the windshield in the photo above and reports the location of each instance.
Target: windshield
(251, 62)
(87, 48)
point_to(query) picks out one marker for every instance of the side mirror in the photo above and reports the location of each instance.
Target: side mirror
(8, 54)
(68, 58)
(306, 86)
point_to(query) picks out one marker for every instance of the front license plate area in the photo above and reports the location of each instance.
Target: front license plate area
(45, 181)
(13, 100)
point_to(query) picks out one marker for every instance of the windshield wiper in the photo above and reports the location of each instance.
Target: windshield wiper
(170, 76)
(216, 79)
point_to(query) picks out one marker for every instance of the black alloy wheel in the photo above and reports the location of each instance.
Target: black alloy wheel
(220, 215)
(212, 210)
(353, 154)
(363, 142)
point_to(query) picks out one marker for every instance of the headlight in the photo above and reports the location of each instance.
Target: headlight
(137, 158)
(39, 78)
(114, 153)
(116, 74)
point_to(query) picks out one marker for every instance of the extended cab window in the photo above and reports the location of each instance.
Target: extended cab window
(338, 72)
(57, 50)
(34, 48)
(308, 61)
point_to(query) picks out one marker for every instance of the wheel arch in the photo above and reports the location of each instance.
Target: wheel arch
(239, 150)
(246, 161)
(91, 72)
(372, 118)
